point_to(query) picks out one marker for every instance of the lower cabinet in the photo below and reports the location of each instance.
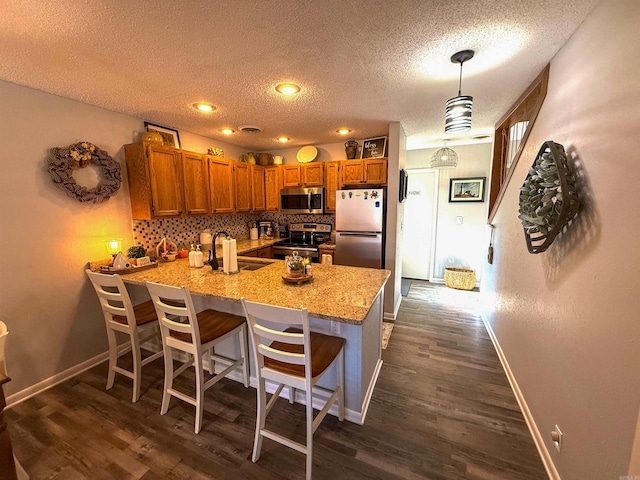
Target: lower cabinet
(264, 252)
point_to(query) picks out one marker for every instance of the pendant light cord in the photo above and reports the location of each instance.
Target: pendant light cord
(460, 80)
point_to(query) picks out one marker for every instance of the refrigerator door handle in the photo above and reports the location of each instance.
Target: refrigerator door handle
(345, 234)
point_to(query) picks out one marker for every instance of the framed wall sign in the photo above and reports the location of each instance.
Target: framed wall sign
(467, 189)
(169, 135)
(374, 148)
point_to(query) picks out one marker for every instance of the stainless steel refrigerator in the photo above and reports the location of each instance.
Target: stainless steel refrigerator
(360, 220)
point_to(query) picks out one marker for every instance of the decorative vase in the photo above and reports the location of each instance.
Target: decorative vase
(351, 149)
(152, 137)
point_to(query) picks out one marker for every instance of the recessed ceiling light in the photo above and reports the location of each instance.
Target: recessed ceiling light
(343, 131)
(227, 131)
(283, 139)
(204, 107)
(287, 88)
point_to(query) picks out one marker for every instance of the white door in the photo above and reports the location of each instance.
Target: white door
(419, 224)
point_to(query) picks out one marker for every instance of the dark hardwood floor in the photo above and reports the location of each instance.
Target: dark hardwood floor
(442, 409)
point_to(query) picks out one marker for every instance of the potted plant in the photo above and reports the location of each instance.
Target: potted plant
(295, 265)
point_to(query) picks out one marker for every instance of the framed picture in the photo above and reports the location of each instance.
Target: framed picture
(169, 135)
(374, 148)
(466, 189)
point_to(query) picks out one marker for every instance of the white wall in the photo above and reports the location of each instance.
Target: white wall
(46, 237)
(462, 246)
(567, 320)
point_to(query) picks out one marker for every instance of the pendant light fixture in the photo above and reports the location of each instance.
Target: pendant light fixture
(444, 158)
(457, 117)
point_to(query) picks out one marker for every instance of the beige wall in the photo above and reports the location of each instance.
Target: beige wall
(47, 237)
(461, 246)
(567, 320)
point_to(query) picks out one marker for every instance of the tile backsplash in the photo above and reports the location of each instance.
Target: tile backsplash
(185, 231)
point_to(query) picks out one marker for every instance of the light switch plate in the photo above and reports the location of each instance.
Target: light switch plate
(458, 220)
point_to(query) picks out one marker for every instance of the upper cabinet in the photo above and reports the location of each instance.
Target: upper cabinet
(155, 179)
(258, 188)
(196, 183)
(332, 183)
(272, 186)
(242, 183)
(221, 185)
(308, 175)
(370, 171)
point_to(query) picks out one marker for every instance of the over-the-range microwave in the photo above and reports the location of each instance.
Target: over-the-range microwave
(302, 200)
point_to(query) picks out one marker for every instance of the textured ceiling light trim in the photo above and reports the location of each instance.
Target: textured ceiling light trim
(444, 158)
(457, 117)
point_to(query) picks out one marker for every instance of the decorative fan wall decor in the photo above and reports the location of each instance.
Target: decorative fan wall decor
(548, 197)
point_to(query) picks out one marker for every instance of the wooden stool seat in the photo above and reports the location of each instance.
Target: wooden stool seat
(212, 324)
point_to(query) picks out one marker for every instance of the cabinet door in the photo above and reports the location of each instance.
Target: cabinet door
(291, 176)
(257, 187)
(265, 252)
(313, 175)
(272, 188)
(221, 185)
(196, 183)
(242, 184)
(375, 171)
(166, 181)
(332, 183)
(352, 172)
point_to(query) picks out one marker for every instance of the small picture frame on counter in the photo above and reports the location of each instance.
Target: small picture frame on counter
(170, 136)
(374, 148)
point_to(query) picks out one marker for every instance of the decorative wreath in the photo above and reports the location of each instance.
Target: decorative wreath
(62, 162)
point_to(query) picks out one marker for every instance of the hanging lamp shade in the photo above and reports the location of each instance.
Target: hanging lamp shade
(444, 158)
(457, 117)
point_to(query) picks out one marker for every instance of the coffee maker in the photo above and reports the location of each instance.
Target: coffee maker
(265, 230)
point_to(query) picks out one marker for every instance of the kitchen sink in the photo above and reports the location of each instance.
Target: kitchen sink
(244, 265)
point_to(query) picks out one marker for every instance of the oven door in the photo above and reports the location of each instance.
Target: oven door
(281, 252)
(302, 200)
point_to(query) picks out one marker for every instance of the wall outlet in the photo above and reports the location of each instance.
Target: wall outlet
(458, 220)
(335, 327)
(556, 437)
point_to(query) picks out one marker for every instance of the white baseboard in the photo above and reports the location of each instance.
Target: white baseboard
(528, 417)
(54, 380)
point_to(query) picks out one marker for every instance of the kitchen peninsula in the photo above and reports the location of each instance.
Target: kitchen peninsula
(341, 300)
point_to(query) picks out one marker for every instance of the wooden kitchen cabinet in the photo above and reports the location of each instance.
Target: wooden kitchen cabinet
(196, 183)
(332, 183)
(265, 252)
(258, 188)
(155, 179)
(272, 186)
(221, 183)
(242, 185)
(311, 175)
(370, 171)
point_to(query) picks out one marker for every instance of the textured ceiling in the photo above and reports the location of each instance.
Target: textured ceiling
(360, 63)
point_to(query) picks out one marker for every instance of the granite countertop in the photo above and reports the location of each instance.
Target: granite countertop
(336, 292)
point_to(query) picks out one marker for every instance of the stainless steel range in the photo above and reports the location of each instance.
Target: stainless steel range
(304, 238)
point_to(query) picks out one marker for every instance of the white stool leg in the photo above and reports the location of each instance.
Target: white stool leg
(168, 378)
(260, 418)
(197, 359)
(243, 354)
(309, 433)
(137, 367)
(113, 357)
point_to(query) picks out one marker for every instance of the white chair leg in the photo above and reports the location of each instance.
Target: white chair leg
(243, 354)
(212, 364)
(341, 385)
(309, 433)
(113, 357)
(168, 379)
(292, 394)
(22, 475)
(260, 419)
(199, 391)
(137, 367)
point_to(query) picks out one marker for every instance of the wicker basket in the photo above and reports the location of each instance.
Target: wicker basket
(460, 278)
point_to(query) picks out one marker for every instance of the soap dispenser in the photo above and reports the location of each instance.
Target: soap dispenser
(198, 258)
(192, 256)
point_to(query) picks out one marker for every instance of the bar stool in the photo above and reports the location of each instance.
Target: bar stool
(295, 357)
(139, 322)
(4, 332)
(184, 330)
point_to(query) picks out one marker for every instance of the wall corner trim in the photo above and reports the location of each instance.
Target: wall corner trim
(528, 417)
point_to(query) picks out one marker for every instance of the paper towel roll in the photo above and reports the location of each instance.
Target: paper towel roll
(233, 255)
(225, 255)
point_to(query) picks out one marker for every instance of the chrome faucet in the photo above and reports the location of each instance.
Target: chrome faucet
(213, 262)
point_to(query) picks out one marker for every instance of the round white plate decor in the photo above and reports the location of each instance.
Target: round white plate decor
(307, 154)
